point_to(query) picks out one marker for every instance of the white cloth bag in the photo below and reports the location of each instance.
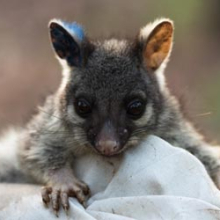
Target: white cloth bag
(151, 181)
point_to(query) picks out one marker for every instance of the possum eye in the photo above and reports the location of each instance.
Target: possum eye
(135, 109)
(83, 107)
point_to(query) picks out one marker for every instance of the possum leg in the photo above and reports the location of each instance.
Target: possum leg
(63, 184)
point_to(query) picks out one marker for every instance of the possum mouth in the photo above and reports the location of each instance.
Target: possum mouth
(109, 155)
(103, 153)
(128, 144)
(112, 154)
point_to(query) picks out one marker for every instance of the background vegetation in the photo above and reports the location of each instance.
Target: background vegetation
(28, 69)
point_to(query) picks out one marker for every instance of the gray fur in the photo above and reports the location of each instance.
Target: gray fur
(112, 71)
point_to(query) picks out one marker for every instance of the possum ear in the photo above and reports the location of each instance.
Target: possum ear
(156, 40)
(67, 39)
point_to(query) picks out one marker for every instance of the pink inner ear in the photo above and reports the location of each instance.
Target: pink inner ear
(157, 59)
(158, 45)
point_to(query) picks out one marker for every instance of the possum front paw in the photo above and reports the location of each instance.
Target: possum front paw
(62, 185)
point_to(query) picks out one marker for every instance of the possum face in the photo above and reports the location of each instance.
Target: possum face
(111, 90)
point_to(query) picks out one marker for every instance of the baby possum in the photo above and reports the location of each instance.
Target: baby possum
(113, 94)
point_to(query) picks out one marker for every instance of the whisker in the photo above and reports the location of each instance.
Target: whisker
(139, 132)
(49, 114)
(204, 114)
(78, 144)
(60, 129)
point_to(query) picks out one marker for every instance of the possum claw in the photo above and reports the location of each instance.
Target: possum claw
(58, 195)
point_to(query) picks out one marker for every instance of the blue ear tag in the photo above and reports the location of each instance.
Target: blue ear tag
(76, 30)
(66, 40)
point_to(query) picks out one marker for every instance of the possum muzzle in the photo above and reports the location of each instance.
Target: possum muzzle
(108, 141)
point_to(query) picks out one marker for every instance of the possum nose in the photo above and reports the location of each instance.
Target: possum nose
(107, 147)
(107, 141)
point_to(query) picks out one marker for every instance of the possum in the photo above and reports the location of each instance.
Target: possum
(113, 94)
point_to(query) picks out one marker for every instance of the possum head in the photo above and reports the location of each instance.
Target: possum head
(111, 89)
